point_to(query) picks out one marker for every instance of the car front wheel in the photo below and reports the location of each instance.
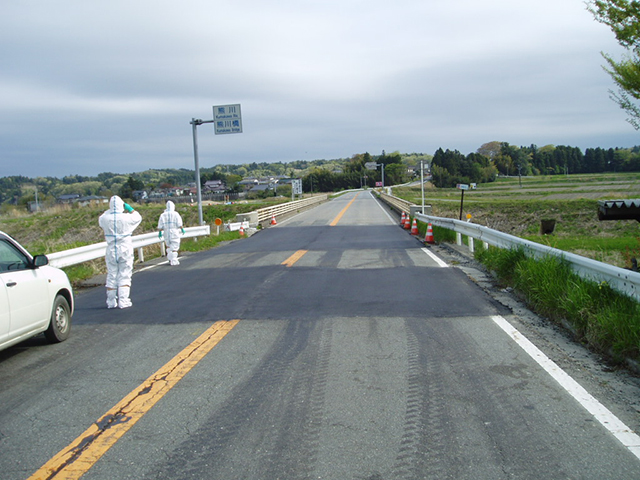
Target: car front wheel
(60, 324)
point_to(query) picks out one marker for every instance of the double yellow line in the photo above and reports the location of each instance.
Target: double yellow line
(78, 457)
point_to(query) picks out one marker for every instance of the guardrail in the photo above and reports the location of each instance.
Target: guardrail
(78, 255)
(266, 213)
(624, 281)
(397, 203)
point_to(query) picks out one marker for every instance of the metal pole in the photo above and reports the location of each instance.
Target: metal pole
(461, 203)
(422, 182)
(194, 124)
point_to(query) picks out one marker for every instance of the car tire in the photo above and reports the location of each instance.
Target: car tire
(60, 323)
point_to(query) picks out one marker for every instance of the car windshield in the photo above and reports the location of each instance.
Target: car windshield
(11, 258)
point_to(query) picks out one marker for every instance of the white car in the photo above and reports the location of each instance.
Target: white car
(34, 297)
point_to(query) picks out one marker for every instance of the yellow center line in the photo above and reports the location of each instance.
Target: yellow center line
(337, 219)
(78, 457)
(294, 258)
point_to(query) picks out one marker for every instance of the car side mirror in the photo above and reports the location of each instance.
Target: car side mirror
(40, 261)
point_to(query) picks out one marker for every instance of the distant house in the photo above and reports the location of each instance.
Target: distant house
(139, 195)
(68, 198)
(214, 186)
(91, 200)
(248, 183)
(261, 187)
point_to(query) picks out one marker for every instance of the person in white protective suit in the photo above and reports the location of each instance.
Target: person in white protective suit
(170, 222)
(118, 227)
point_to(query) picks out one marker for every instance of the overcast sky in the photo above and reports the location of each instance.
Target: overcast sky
(111, 86)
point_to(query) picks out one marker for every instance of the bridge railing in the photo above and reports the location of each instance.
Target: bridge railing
(266, 213)
(74, 256)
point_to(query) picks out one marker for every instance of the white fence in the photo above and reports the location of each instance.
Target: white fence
(625, 281)
(78, 255)
(266, 213)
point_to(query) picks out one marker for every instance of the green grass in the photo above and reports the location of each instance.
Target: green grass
(66, 228)
(607, 320)
(572, 201)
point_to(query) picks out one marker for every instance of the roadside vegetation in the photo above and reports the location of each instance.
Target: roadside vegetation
(609, 322)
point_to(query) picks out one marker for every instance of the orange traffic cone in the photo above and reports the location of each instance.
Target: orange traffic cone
(273, 220)
(241, 230)
(407, 223)
(428, 238)
(402, 219)
(414, 227)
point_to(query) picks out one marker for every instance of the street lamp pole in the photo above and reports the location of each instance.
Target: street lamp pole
(194, 124)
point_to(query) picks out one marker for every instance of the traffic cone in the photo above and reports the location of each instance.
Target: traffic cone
(273, 220)
(402, 219)
(241, 230)
(407, 223)
(414, 227)
(428, 238)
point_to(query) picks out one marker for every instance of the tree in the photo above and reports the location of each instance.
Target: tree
(126, 191)
(623, 17)
(490, 149)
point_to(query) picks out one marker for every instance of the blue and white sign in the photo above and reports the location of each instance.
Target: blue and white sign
(227, 119)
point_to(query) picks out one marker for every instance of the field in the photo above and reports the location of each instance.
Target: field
(517, 206)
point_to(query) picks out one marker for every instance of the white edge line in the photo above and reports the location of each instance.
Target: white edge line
(435, 258)
(385, 212)
(151, 266)
(601, 413)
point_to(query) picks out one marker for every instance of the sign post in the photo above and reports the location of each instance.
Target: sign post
(462, 187)
(374, 166)
(227, 119)
(296, 187)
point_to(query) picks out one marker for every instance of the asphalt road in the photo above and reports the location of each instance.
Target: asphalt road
(331, 346)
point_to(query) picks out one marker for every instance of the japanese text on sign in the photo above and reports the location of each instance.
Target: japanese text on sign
(227, 119)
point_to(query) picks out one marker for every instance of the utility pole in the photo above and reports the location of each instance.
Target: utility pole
(422, 182)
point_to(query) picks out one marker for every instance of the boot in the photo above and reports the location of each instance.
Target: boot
(112, 301)
(173, 258)
(123, 297)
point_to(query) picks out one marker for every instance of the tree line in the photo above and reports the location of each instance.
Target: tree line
(450, 167)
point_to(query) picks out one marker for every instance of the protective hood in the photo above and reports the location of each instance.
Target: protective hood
(170, 206)
(116, 204)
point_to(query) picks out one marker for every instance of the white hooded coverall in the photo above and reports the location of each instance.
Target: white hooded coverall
(170, 223)
(118, 227)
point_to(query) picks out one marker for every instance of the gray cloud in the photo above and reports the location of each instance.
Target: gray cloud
(88, 87)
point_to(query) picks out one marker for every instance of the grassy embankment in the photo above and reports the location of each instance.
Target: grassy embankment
(608, 321)
(65, 228)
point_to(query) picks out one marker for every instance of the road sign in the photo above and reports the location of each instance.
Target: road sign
(462, 186)
(227, 119)
(371, 165)
(296, 185)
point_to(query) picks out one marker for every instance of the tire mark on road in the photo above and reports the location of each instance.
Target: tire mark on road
(269, 425)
